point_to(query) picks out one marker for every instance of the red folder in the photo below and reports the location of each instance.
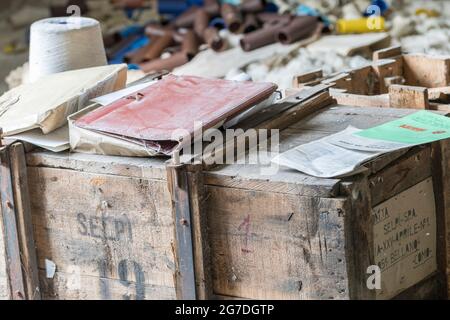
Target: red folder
(151, 115)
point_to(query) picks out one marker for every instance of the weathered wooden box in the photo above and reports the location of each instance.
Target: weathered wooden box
(105, 222)
(107, 225)
(292, 236)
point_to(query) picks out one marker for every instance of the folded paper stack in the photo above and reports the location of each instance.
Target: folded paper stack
(47, 103)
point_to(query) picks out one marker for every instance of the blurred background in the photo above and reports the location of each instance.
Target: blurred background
(223, 40)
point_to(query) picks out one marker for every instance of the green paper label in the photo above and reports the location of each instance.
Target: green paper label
(417, 128)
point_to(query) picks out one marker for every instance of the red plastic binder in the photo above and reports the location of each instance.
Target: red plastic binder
(151, 115)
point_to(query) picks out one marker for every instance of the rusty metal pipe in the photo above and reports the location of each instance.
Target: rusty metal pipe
(170, 63)
(269, 17)
(201, 22)
(187, 18)
(137, 56)
(232, 17)
(299, 28)
(157, 46)
(190, 44)
(125, 42)
(152, 50)
(262, 37)
(253, 6)
(212, 38)
(111, 39)
(212, 7)
(156, 30)
(250, 23)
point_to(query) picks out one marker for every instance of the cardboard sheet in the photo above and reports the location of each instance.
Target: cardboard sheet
(47, 103)
(405, 238)
(55, 141)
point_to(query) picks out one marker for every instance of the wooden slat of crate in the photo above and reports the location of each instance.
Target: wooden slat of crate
(69, 286)
(152, 168)
(426, 71)
(446, 180)
(4, 288)
(112, 231)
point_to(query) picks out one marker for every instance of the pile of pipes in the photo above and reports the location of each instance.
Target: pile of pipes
(175, 43)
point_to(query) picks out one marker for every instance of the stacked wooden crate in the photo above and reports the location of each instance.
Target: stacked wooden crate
(114, 227)
(396, 80)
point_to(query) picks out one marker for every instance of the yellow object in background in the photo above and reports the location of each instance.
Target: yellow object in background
(9, 48)
(428, 12)
(363, 25)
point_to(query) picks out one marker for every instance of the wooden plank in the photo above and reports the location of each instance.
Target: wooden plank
(24, 222)
(440, 159)
(11, 237)
(388, 81)
(307, 77)
(103, 226)
(349, 99)
(359, 237)
(426, 71)
(363, 81)
(385, 53)
(4, 285)
(430, 288)
(441, 93)
(402, 174)
(148, 168)
(296, 110)
(200, 239)
(183, 246)
(408, 97)
(249, 177)
(445, 152)
(76, 286)
(267, 245)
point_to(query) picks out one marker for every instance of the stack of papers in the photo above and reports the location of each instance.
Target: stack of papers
(32, 112)
(344, 153)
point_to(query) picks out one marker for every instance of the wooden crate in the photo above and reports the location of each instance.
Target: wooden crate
(292, 236)
(392, 80)
(113, 226)
(411, 81)
(105, 222)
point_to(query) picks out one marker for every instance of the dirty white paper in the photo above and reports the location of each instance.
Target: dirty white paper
(338, 155)
(47, 103)
(55, 141)
(114, 96)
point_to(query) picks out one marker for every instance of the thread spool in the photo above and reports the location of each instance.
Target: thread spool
(63, 44)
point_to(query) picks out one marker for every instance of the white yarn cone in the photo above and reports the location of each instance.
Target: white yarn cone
(63, 44)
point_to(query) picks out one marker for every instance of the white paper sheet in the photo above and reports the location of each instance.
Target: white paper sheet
(114, 96)
(338, 155)
(55, 141)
